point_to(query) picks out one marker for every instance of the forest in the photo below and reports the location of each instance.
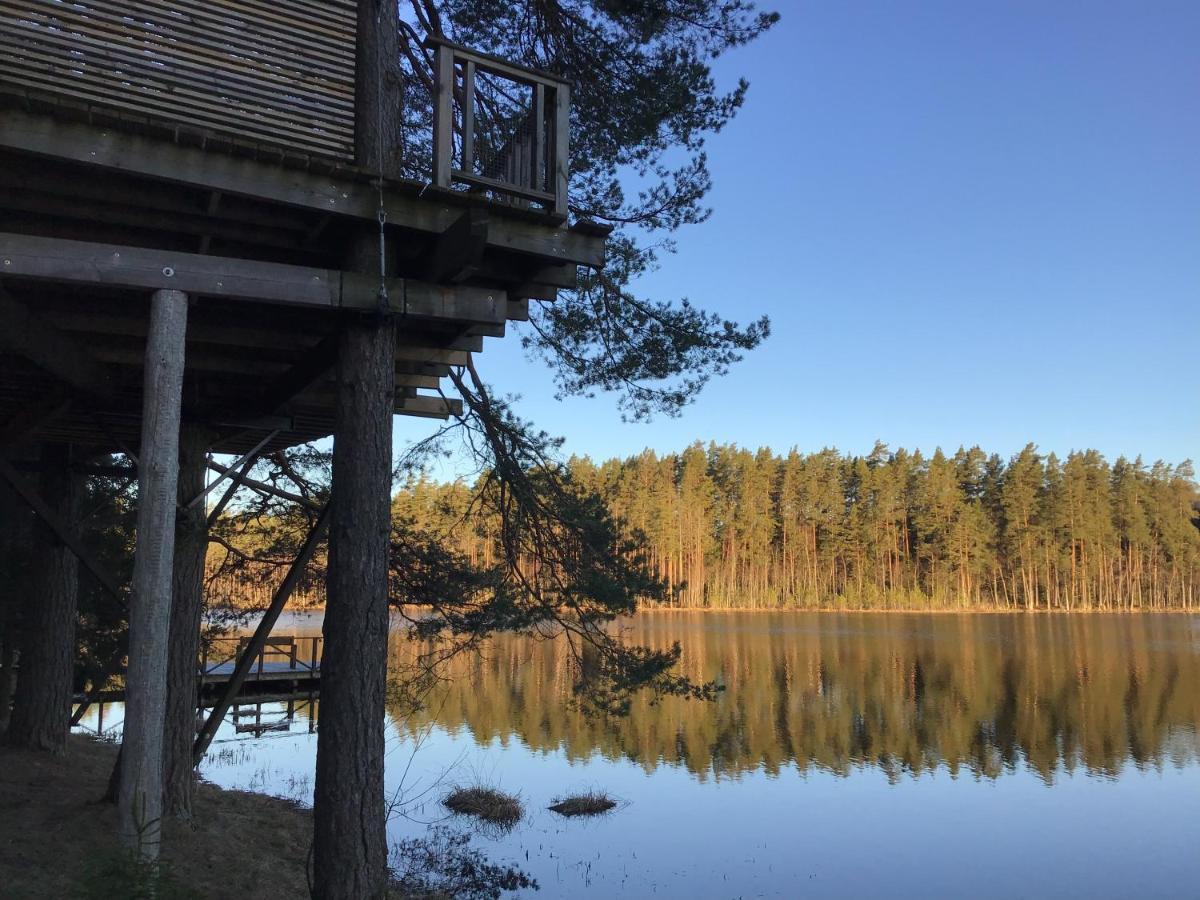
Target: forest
(730, 528)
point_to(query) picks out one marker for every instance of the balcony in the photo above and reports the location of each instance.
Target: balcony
(500, 129)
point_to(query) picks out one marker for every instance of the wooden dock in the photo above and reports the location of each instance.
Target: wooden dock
(287, 661)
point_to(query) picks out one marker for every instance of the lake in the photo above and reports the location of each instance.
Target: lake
(850, 755)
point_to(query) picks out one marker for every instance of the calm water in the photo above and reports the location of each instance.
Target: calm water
(849, 756)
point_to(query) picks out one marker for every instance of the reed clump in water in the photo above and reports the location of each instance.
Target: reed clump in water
(592, 803)
(485, 803)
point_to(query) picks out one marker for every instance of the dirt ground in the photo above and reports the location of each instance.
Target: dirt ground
(53, 831)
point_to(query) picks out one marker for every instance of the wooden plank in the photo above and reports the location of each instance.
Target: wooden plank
(83, 262)
(211, 34)
(49, 349)
(43, 78)
(495, 64)
(429, 355)
(280, 72)
(17, 199)
(443, 117)
(134, 154)
(430, 407)
(562, 140)
(504, 186)
(459, 249)
(539, 138)
(518, 309)
(88, 44)
(468, 117)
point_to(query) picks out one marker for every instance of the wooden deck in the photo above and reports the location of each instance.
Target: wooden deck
(285, 660)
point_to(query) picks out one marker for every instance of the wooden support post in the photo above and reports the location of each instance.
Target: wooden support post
(187, 601)
(468, 117)
(139, 797)
(259, 639)
(349, 812)
(562, 139)
(42, 711)
(350, 848)
(443, 116)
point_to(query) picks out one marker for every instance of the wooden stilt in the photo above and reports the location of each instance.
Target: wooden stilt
(350, 847)
(187, 602)
(43, 699)
(139, 799)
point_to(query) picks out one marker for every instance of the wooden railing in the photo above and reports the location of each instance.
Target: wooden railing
(285, 649)
(500, 128)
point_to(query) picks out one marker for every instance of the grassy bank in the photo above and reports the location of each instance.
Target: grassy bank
(57, 841)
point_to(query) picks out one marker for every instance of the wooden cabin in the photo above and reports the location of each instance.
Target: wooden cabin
(212, 217)
(208, 146)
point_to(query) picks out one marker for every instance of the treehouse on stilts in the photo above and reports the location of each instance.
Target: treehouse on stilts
(215, 238)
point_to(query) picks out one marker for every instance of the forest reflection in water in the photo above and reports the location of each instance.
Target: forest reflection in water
(983, 693)
(851, 755)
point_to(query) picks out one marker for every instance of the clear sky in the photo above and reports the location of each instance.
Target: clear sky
(969, 223)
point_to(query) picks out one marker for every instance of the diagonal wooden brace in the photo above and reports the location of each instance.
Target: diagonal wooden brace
(61, 530)
(256, 643)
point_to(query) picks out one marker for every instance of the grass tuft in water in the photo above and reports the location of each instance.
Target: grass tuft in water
(591, 803)
(485, 803)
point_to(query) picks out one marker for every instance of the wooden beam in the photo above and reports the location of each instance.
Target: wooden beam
(430, 407)
(518, 309)
(351, 194)
(261, 633)
(315, 364)
(429, 355)
(23, 333)
(84, 262)
(458, 250)
(39, 411)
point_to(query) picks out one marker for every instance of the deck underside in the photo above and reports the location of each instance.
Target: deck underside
(93, 221)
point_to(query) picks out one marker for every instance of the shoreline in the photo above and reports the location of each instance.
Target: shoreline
(826, 610)
(56, 836)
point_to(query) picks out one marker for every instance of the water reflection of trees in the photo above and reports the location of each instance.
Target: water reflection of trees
(981, 694)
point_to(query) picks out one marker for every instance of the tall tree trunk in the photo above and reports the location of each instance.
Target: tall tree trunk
(350, 847)
(349, 817)
(12, 539)
(41, 716)
(187, 600)
(139, 795)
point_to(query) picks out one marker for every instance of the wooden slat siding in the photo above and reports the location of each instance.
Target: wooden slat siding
(206, 32)
(153, 87)
(260, 86)
(281, 74)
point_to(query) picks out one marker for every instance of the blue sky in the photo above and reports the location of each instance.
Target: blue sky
(969, 223)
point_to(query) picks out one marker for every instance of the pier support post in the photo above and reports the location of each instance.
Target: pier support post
(42, 709)
(349, 811)
(350, 846)
(187, 601)
(139, 797)
(12, 541)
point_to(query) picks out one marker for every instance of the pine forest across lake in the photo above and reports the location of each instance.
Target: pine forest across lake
(730, 528)
(992, 755)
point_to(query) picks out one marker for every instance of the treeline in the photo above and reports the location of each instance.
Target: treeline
(732, 528)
